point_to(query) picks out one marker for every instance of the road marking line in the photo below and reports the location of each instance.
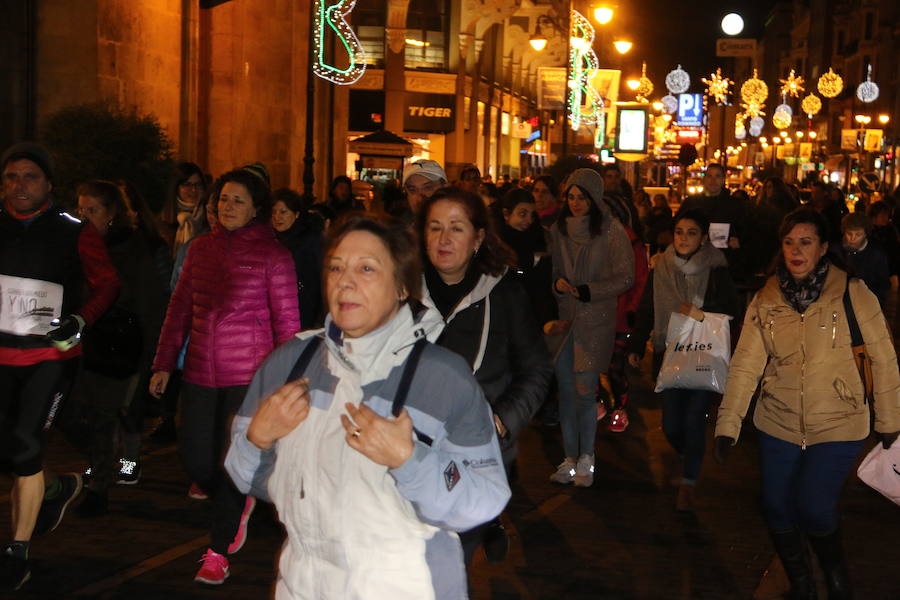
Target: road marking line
(114, 581)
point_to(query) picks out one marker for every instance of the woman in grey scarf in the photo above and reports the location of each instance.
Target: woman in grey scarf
(691, 277)
(593, 264)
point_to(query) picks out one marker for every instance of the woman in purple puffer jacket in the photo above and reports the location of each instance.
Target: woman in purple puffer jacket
(237, 299)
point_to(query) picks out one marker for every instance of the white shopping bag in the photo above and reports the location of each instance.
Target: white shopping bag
(697, 353)
(880, 470)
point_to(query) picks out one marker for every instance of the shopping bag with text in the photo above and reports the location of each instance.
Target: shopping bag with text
(697, 353)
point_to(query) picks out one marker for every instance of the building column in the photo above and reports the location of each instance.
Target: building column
(394, 79)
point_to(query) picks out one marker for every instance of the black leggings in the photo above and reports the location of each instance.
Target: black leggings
(618, 379)
(206, 415)
(30, 399)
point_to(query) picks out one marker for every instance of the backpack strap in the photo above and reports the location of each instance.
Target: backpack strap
(856, 338)
(409, 371)
(304, 359)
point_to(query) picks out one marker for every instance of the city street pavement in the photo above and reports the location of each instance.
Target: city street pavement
(620, 539)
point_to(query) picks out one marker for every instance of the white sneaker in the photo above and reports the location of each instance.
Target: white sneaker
(584, 471)
(564, 472)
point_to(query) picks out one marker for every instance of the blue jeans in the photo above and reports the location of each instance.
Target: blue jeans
(800, 488)
(684, 423)
(577, 403)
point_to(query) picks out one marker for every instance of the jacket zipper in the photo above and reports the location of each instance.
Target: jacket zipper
(833, 328)
(802, 381)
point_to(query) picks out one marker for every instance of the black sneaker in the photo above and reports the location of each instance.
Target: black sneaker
(496, 542)
(129, 472)
(14, 571)
(86, 476)
(52, 510)
(95, 504)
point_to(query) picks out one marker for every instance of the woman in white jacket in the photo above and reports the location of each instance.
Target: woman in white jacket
(383, 449)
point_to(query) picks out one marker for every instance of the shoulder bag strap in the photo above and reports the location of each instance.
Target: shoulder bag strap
(856, 338)
(409, 371)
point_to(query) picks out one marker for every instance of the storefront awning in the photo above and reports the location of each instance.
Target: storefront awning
(382, 143)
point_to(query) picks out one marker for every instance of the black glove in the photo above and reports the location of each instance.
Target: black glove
(67, 334)
(888, 438)
(584, 292)
(722, 447)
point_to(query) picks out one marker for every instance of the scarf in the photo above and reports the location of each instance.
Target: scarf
(446, 296)
(800, 294)
(679, 279)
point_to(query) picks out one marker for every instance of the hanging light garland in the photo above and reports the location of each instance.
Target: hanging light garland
(678, 81)
(792, 86)
(583, 62)
(811, 105)
(830, 84)
(868, 89)
(717, 87)
(670, 103)
(754, 90)
(645, 86)
(781, 119)
(333, 16)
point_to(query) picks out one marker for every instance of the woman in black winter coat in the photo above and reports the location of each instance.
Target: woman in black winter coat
(298, 233)
(487, 319)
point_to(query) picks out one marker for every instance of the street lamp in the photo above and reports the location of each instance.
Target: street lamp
(603, 14)
(732, 24)
(633, 84)
(863, 120)
(538, 42)
(883, 119)
(622, 46)
(812, 135)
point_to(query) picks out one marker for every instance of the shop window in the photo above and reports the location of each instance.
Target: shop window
(369, 19)
(427, 32)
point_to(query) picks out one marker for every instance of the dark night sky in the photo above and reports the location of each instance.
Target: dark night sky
(666, 33)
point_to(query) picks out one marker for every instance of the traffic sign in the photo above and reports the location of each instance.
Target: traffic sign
(690, 110)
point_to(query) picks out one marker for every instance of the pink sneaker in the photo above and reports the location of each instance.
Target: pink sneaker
(214, 570)
(241, 536)
(601, 410)
(197, 493)
(618, 421)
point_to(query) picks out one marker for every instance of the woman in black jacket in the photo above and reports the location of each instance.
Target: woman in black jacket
(487, 319)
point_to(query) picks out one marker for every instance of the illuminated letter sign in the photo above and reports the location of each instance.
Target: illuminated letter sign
(690, 110)
(429, 113)
(332, 16)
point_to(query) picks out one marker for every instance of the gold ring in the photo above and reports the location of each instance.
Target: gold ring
(356, 433)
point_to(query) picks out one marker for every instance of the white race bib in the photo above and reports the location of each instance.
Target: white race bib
(28, 305)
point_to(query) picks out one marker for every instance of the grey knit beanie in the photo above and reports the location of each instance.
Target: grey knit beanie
(32, 151)
(590, 181)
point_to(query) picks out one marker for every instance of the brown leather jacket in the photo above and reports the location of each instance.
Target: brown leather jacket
(811, 390)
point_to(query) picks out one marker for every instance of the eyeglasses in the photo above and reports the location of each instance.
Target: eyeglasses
(191, 184)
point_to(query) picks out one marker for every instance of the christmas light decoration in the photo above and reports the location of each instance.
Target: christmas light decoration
(830, 84)
(740, 132)
(811, 105)
(678, 81)
(670, 103)
(333, 17)
(717, 87)
(757, 123)
(583, 61)
(754, 90)
(867, 90)
(785, 108)
(792, 86)
(753, 110)
(781, 120)
(646, 86)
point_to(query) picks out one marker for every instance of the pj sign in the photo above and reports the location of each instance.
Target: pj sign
(690, 110)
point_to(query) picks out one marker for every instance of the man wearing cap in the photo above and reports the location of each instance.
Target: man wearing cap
(46, 258)
(421, 179)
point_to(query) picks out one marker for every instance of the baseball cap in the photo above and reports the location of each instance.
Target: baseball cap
(426, 168)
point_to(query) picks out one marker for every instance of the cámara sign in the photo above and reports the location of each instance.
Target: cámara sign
(735, 47)
(429, 113)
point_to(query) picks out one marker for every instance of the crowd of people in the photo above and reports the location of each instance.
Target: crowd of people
(369, 372)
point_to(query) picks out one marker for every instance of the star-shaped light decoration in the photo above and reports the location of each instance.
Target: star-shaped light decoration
(753, 109)
(717, 87)
(792, 86)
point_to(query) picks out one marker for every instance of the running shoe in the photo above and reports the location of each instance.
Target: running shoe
(601, 410)
(241, 536)
(584, 471)
(14, 571)
(53, 509)
(214, 570)
(129, 472)
(564, 472)
(618, 421)
(197, 493)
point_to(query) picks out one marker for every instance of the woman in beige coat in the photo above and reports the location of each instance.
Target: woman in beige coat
(812, 414)
(593, 263)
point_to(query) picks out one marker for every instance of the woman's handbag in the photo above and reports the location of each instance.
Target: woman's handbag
(860, 355)
(697, 353)
(113, 345)
(880, 470)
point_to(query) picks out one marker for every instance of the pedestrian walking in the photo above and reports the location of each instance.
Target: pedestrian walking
(375, 445)
(812, 412)
(297, 232)
(593, 263)
(691, 277)
(487, 318)
(187, 186)
(237, 299)
(865, 258)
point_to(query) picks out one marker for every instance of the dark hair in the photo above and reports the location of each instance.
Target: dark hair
(715, 166)
(877, 208)
(113, 200)
(492, 256)
(181, 172)
(549, 182)
(396, 237)
(612, 167)
(806, 216)
(256, 187)
(340, 179)
(469, 169)
(594, 214)
(515, 197)
(694, 215)
(144, 219)
(292, 200)
(856, 220)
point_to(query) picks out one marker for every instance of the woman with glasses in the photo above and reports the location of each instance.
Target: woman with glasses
(186, 187)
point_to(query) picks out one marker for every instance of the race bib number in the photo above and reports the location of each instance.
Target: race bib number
(28, 305)
(718, 234)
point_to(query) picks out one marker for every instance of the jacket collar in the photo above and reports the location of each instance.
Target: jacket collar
(770, 295)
